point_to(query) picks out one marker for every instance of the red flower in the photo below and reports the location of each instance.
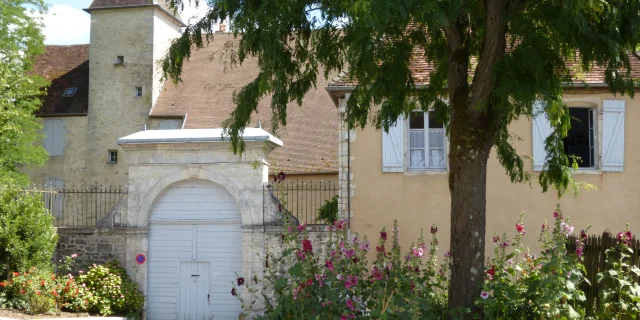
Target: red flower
(544, 226)
(583, 235)
(491, 273)
(520, 228)
(383, 235)
(380, 249)
(306, 245)
(555, 214)
(496, 239)
(54, 293)
(42, 283)
(233, 292)
(38, 292)
(434, 229)
(302, 227)
(281, 176)
(309, 282)
(240, 281)
(579, 252)
(16, 274)
(22, 291)
(3, 284)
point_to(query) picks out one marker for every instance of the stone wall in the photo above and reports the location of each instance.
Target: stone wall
(95, 245)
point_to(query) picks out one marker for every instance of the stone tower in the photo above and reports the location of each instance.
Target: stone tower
(128, 37)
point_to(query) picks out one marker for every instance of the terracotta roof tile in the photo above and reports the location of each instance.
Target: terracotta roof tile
(206, 94)
(421, 70)
(65, 67)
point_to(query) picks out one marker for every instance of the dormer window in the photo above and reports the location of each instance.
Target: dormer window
(69, 92)
(119, 60)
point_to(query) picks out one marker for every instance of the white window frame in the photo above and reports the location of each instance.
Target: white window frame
(427, 148)
(593, 112)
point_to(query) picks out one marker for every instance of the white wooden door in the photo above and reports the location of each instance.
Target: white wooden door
(194, 291)
(194, 221)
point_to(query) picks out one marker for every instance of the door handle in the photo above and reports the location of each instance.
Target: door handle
(208, 301)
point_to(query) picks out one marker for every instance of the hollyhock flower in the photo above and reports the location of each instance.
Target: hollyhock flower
(309, 282)
(289, 228)
(329, 265)
(510, 261)
(275, 178)
(306, 245)
(496, 239)
(447, 254)
(364, 246)
(544, 227)
(22, 291)
(350, 304)
(295, 293)
(579, 252)
(16, 274)
(343, 317)
(418, 252)
(380, 249)
(350, 253)
(434, 229)
(240, 281)
(74, 255)
(341, 245)
(383, 235)
(491, 273)
(484, 295)
(301, 255)
(583, 235)
(376, 273)
(327, 228)
(519, 228)
(555, 214)
(281, 176)
(354, 241)
(302, 227)
(505, 244)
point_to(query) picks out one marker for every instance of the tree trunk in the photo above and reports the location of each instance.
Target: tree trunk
(470, 147)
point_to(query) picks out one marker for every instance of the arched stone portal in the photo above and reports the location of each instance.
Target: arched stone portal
(159, 161)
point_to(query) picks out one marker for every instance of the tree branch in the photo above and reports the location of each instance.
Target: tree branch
(492, 52)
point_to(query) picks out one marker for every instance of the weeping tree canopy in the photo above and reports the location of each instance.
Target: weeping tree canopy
(20, 43)
(507, 54)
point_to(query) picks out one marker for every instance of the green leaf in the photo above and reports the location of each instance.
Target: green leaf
(296, 270)
(612, 273)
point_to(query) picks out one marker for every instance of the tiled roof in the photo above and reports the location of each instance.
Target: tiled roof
(421, 69)
(65, 67)
(206, 95)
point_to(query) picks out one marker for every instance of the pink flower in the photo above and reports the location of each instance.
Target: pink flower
(80, 272)
(302, 227)
(351, 281)
(301, 255)
(376, 273)
(520, 228)
(491, 273)
(350, 304)
(496, 239)
(505, 244)
(289, 228)
(579, 252)
(418, 252)
(364, 246)
(544, 226)
(484, 295)
(74, 255)
(329, 265)
(555, 214)
(383, 235)
(350, 253)
(447, 254)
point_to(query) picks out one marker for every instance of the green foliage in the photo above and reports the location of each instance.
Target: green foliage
(27, 235)
(517, 51)
(621, 293)
(329, 210)
(110, 291)
(20, 90)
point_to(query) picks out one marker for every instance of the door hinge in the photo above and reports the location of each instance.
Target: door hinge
(208, 296)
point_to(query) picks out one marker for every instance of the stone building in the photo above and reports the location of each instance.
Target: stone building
(189, 213)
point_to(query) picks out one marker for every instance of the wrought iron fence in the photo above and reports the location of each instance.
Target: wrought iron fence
(96, 206)
(307, 202)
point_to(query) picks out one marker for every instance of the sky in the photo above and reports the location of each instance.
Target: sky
(66, 23)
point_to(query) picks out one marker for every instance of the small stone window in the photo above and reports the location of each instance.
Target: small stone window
(69, 92)
(119, 60)
(138, 91)
(112, 156)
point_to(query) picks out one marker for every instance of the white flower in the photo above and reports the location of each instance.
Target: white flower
(484, 295)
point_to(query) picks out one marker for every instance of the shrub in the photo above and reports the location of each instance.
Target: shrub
(329, 210)
(110, 291)
(27, 235)
(33, 291)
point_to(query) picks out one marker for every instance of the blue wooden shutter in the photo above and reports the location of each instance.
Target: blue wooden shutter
(58, 142)
(393, 147)
(613, 135)
(48, 136)
(541, 131)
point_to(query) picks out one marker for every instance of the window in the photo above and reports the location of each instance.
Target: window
(54, 137)
(69, 92)
(53, 197)
(581, 138)
(170, 124)
(426, 142)
(138, 91)
(112, 156)
(119, 60)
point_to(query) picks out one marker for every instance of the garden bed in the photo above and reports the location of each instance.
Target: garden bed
(6, 314)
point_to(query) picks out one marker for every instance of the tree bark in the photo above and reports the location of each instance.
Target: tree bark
(471, 141)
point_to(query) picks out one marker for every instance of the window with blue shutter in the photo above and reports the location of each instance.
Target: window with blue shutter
(393, 147)
(613, 135)
(54, 137)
